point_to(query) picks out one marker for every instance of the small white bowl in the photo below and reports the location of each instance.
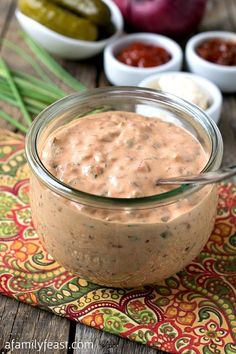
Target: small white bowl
(122, 74)
(223, 76)
(215, 108)
(66, 47)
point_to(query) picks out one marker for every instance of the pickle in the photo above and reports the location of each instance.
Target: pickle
(94, 10)
(59, 20)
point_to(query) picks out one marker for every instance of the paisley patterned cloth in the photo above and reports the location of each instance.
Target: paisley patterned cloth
(193, 312)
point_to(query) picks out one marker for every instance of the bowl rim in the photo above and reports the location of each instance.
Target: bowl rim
(200, 37)
(213, 90)
(177, 54)
(118, 23)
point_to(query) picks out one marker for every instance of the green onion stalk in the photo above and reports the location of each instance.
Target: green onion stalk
(27, 93)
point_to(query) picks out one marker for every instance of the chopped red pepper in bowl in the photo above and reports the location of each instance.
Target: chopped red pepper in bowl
(144, 55)
(218, 50)
(213, 55)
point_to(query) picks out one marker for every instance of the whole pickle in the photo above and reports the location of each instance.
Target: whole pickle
(59, 20)
(94, 10)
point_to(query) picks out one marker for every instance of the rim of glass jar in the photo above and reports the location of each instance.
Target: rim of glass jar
(92, 200)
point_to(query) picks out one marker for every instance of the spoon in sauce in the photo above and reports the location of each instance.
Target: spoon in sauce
(201, 178)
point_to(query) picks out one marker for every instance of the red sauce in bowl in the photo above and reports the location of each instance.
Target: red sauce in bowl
(144, 55)
(218, 51)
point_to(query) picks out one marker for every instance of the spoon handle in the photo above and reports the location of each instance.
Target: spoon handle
(202, 178)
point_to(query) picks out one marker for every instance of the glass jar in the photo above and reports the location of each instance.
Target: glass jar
(116, 241)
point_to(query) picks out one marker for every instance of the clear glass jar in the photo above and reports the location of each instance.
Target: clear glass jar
(110, 241)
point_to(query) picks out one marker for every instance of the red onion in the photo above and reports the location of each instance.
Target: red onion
(174, 18)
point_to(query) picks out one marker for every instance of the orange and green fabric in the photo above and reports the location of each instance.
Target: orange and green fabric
(192, 312)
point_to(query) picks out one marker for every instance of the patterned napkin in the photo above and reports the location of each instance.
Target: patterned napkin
(192, 312)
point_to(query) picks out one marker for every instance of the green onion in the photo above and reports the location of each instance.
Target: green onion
(51, 87)
(30, 90)
(43, 94)
(27, 58)
(31, 105)
(38, 86)
(52, 65)
(16, 92)
(36, 104)
(28, 93)
(13, 122)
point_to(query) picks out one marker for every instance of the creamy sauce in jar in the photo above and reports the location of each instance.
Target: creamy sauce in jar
(122, 154)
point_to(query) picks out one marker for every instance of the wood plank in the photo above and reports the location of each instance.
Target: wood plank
(85, 72)
(227, 127)
(8, 310)
(216, 17)
(102, 81)
(13, 60)
(23, 323)
(226, 13)
(106, 343)
(232, 13)
(6, 10)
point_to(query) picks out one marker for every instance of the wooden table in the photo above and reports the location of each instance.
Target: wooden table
(21, 322)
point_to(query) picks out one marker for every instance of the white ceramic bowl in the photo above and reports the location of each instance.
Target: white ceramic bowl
(223, 76)
(122, 74)
(215, 108)
(67, 47)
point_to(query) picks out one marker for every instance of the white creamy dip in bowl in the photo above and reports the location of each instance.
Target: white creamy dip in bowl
(113, 237)
(193, 88)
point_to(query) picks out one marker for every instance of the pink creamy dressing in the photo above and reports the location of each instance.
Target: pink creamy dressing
(121, 154)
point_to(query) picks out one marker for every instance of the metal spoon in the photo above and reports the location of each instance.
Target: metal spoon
(201, 178)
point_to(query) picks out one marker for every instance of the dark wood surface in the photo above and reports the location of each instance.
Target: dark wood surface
(21, 322)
